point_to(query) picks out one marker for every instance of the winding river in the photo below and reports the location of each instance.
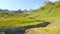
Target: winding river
(21, 30)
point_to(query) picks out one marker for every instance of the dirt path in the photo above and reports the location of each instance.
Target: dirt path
(55, 23)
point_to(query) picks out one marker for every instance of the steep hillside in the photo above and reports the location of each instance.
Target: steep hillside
(50, 12)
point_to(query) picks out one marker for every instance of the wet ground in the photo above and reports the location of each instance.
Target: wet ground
(21, 30)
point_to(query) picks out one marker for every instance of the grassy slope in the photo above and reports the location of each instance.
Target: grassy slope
(52, 16)
(45, 14)
(46, 30)
(19, 20)
(49, 12)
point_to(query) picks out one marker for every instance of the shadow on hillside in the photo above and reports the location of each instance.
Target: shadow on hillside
(21, 30)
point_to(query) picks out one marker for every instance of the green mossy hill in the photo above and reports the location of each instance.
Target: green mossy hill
(49, 12)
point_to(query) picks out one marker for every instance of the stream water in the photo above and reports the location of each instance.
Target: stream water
(21, 30)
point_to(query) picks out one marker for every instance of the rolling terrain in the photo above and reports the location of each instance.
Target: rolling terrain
(50, 12)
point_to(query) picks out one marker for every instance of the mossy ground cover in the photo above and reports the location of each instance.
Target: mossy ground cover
(49, 13)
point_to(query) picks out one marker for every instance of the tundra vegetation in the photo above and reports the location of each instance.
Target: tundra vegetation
(50, 12)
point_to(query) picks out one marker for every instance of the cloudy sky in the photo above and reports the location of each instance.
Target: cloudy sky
(21, 4)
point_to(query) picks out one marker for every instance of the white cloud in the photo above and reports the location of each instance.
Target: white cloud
(53, 0)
